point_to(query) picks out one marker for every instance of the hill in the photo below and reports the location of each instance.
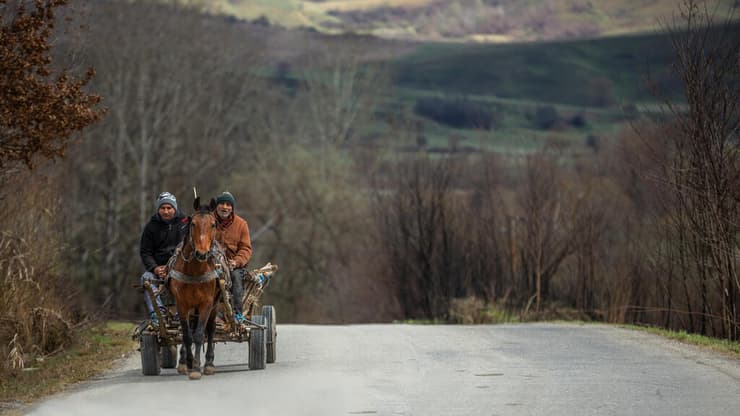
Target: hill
(593, 73)
(462, 20)
(514, 97)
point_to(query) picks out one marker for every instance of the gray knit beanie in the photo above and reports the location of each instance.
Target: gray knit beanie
(167, 198)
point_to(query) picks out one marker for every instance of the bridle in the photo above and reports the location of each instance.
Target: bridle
(192, 256)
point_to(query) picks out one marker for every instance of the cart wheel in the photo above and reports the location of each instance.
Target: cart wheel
(169, 356)
(149, 355)
(257, 345)
(268, 311)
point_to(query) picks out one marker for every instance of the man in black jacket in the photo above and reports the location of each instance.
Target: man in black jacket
(164, 231)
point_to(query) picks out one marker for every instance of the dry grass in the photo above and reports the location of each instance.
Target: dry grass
(17, 299)
(92, 351)
(472, 310)
(44, 342)
(35, 303)
(30, 322)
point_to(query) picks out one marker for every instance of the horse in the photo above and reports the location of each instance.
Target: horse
(193, 284)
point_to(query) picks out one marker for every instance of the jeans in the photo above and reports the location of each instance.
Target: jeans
(149, 307)
(237, 289)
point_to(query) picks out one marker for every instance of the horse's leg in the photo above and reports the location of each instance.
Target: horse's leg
(186, 355)
(182, 365)
(198, 337)
(209, 368)
(191, 331)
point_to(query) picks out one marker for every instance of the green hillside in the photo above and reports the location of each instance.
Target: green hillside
(594, 73)
(535, 92)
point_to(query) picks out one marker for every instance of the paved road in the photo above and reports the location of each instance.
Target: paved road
(531, 369)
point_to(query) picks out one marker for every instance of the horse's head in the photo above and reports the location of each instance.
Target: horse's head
(202, 229)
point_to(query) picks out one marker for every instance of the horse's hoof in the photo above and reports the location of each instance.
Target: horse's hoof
(182, 369)
(209, 370)
(194, 375)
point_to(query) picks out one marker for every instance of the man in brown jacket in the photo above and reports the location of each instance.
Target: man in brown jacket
(232, 232)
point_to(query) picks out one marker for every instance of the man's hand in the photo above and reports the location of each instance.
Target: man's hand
(232, 264)
(160, 271)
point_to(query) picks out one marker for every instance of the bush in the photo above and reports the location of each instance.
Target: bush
(593, 142)
(262, 21)
(578, 120)
(458, 112)
(601, 91)
(473, 310)
(546, 116)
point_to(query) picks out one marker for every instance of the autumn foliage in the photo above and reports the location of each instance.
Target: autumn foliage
(40, 108)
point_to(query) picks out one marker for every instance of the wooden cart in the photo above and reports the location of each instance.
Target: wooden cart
(158, 343)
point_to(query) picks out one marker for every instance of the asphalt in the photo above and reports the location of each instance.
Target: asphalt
(527, 369)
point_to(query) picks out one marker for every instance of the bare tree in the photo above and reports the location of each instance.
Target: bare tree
(703, 175)
(341, 88)
(302, 186)
(546, 240)
(415, 213)
(175, 98)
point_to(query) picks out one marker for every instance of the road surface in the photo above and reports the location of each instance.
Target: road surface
(528, 369)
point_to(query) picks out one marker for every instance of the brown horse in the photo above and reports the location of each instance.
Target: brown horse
(193, 283)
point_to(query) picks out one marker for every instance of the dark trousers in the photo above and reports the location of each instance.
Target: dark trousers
(237, 288)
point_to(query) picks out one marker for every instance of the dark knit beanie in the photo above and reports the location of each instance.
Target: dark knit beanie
(167, 198)
(226, 197)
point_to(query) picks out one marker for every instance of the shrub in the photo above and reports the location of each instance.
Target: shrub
(458, 112)
(578, 120)
(546, 116)
(262, 21)
(594, 142)
(473, 310)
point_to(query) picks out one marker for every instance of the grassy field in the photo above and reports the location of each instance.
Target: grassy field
(602, 80)
(579, 73)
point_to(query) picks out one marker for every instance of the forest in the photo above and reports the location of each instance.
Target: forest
(365, 220)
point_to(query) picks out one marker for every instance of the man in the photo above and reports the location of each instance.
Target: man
(164, 231)
(232, 232)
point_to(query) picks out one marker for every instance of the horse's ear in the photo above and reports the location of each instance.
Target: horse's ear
(212, 204)
(196, 203)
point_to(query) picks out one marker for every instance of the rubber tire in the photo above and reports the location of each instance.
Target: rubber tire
(268, 311)
(149, 345)
(168, 356)
(257, 345)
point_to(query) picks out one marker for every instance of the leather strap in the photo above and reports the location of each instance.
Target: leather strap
(193, 279)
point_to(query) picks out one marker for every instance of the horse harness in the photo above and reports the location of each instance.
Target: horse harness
(216, 255)
(211, 255)
(186, 278)
(192, 246)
